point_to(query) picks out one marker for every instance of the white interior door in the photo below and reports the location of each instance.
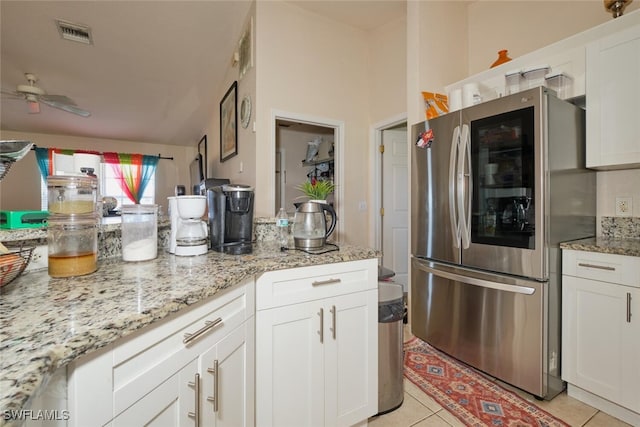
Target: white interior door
(395, 203)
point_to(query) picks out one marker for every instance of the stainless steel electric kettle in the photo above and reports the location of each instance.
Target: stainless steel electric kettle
(310, 225)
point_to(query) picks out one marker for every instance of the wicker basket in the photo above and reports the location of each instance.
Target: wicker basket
(12, 264)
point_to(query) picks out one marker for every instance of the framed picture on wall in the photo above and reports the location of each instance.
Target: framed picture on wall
(245, 50)
(229, 123)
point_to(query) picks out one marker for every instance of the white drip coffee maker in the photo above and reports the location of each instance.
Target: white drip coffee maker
(190, 230)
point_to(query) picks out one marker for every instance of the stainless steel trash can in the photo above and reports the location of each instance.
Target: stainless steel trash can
(390, 357)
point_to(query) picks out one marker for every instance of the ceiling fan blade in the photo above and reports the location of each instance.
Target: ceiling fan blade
(10, 94)
(58, 99)
(66, 107)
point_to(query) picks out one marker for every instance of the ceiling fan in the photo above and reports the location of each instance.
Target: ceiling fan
(34, 96)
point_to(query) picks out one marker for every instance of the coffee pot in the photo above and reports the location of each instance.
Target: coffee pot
(310, 225)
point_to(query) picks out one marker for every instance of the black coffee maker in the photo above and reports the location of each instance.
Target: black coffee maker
(230, 218)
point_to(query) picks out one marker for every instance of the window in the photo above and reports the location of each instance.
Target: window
(109, 186)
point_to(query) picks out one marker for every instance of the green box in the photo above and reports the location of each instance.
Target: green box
(23, 219)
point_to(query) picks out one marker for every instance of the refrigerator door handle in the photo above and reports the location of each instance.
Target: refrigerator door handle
(455, 220)
(464, 187)
(526, 290)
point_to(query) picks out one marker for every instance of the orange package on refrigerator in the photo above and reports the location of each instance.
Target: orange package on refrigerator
(435, 104)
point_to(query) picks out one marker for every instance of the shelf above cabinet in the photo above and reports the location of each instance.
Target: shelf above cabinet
(317, 162)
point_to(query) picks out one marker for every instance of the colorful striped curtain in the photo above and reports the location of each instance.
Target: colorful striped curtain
(133, 171)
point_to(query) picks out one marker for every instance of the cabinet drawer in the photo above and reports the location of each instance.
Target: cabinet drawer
(284, 287)
(612, 268)
(141, 363)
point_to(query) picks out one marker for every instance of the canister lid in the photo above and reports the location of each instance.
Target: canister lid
(87, 219)
(72, 181)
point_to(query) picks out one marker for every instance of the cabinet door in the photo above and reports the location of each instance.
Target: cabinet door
(599, 344)
(289, 365)
(167, 405)
(613, 91)
(226, 369)
(351, 358)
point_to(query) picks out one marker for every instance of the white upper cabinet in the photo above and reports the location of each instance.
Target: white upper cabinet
(613, 96)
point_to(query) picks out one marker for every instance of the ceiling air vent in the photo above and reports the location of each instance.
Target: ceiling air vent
(74, 32)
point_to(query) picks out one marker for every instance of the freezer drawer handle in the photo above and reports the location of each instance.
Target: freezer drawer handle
(480, 282)
(325, 282)
(601, 267)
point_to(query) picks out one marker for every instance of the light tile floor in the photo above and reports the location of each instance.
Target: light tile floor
(420, 410)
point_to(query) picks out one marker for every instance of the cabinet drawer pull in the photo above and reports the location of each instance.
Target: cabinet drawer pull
(325, 282)
(601, 267)
(207, 326)
(196, 413)
(628, 307)
(214, 399)
(321, 331)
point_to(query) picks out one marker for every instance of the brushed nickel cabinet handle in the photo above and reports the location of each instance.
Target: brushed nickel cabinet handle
(325, 282)
(196, 413)
(188, 337)
(601, 267)
(628, 307)
(321, 332)
(214, 399)
(333, 321)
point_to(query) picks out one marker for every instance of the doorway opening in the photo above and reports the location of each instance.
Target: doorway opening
(392, 195)
(297, 161)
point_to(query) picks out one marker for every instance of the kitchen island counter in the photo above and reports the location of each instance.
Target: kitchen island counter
(607, 245)
(48, 322)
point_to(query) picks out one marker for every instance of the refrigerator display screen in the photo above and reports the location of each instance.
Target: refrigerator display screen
(502, 164)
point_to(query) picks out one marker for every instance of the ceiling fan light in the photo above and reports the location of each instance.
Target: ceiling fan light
(34, 106)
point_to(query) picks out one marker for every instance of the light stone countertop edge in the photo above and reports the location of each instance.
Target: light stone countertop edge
(45, 323)
(607, 245)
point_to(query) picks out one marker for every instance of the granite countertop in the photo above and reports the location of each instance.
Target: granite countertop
(607, 245)
(45, 322)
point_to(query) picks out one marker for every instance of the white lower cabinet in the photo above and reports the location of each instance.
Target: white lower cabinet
(316, 345)
(601, 329)
(193, 369)
(169, 404)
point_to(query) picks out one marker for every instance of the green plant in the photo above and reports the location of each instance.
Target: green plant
(317, 190)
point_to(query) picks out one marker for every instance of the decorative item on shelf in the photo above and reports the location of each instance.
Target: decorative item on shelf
(503, 56)
(316, 189)
(534, 76)
(312, 148)
(616, 7)
(512, 79)
(560, 82)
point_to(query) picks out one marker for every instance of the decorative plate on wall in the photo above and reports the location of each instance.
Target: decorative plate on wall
(245, 111)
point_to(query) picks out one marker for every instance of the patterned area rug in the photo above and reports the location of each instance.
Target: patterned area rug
(469, 396)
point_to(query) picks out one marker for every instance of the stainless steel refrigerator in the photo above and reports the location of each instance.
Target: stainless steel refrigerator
(494, 188)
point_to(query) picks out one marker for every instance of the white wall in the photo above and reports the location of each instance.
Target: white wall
(387, 70)
(310, 65)
(524, 26)
(20, 189)
(240, 169)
